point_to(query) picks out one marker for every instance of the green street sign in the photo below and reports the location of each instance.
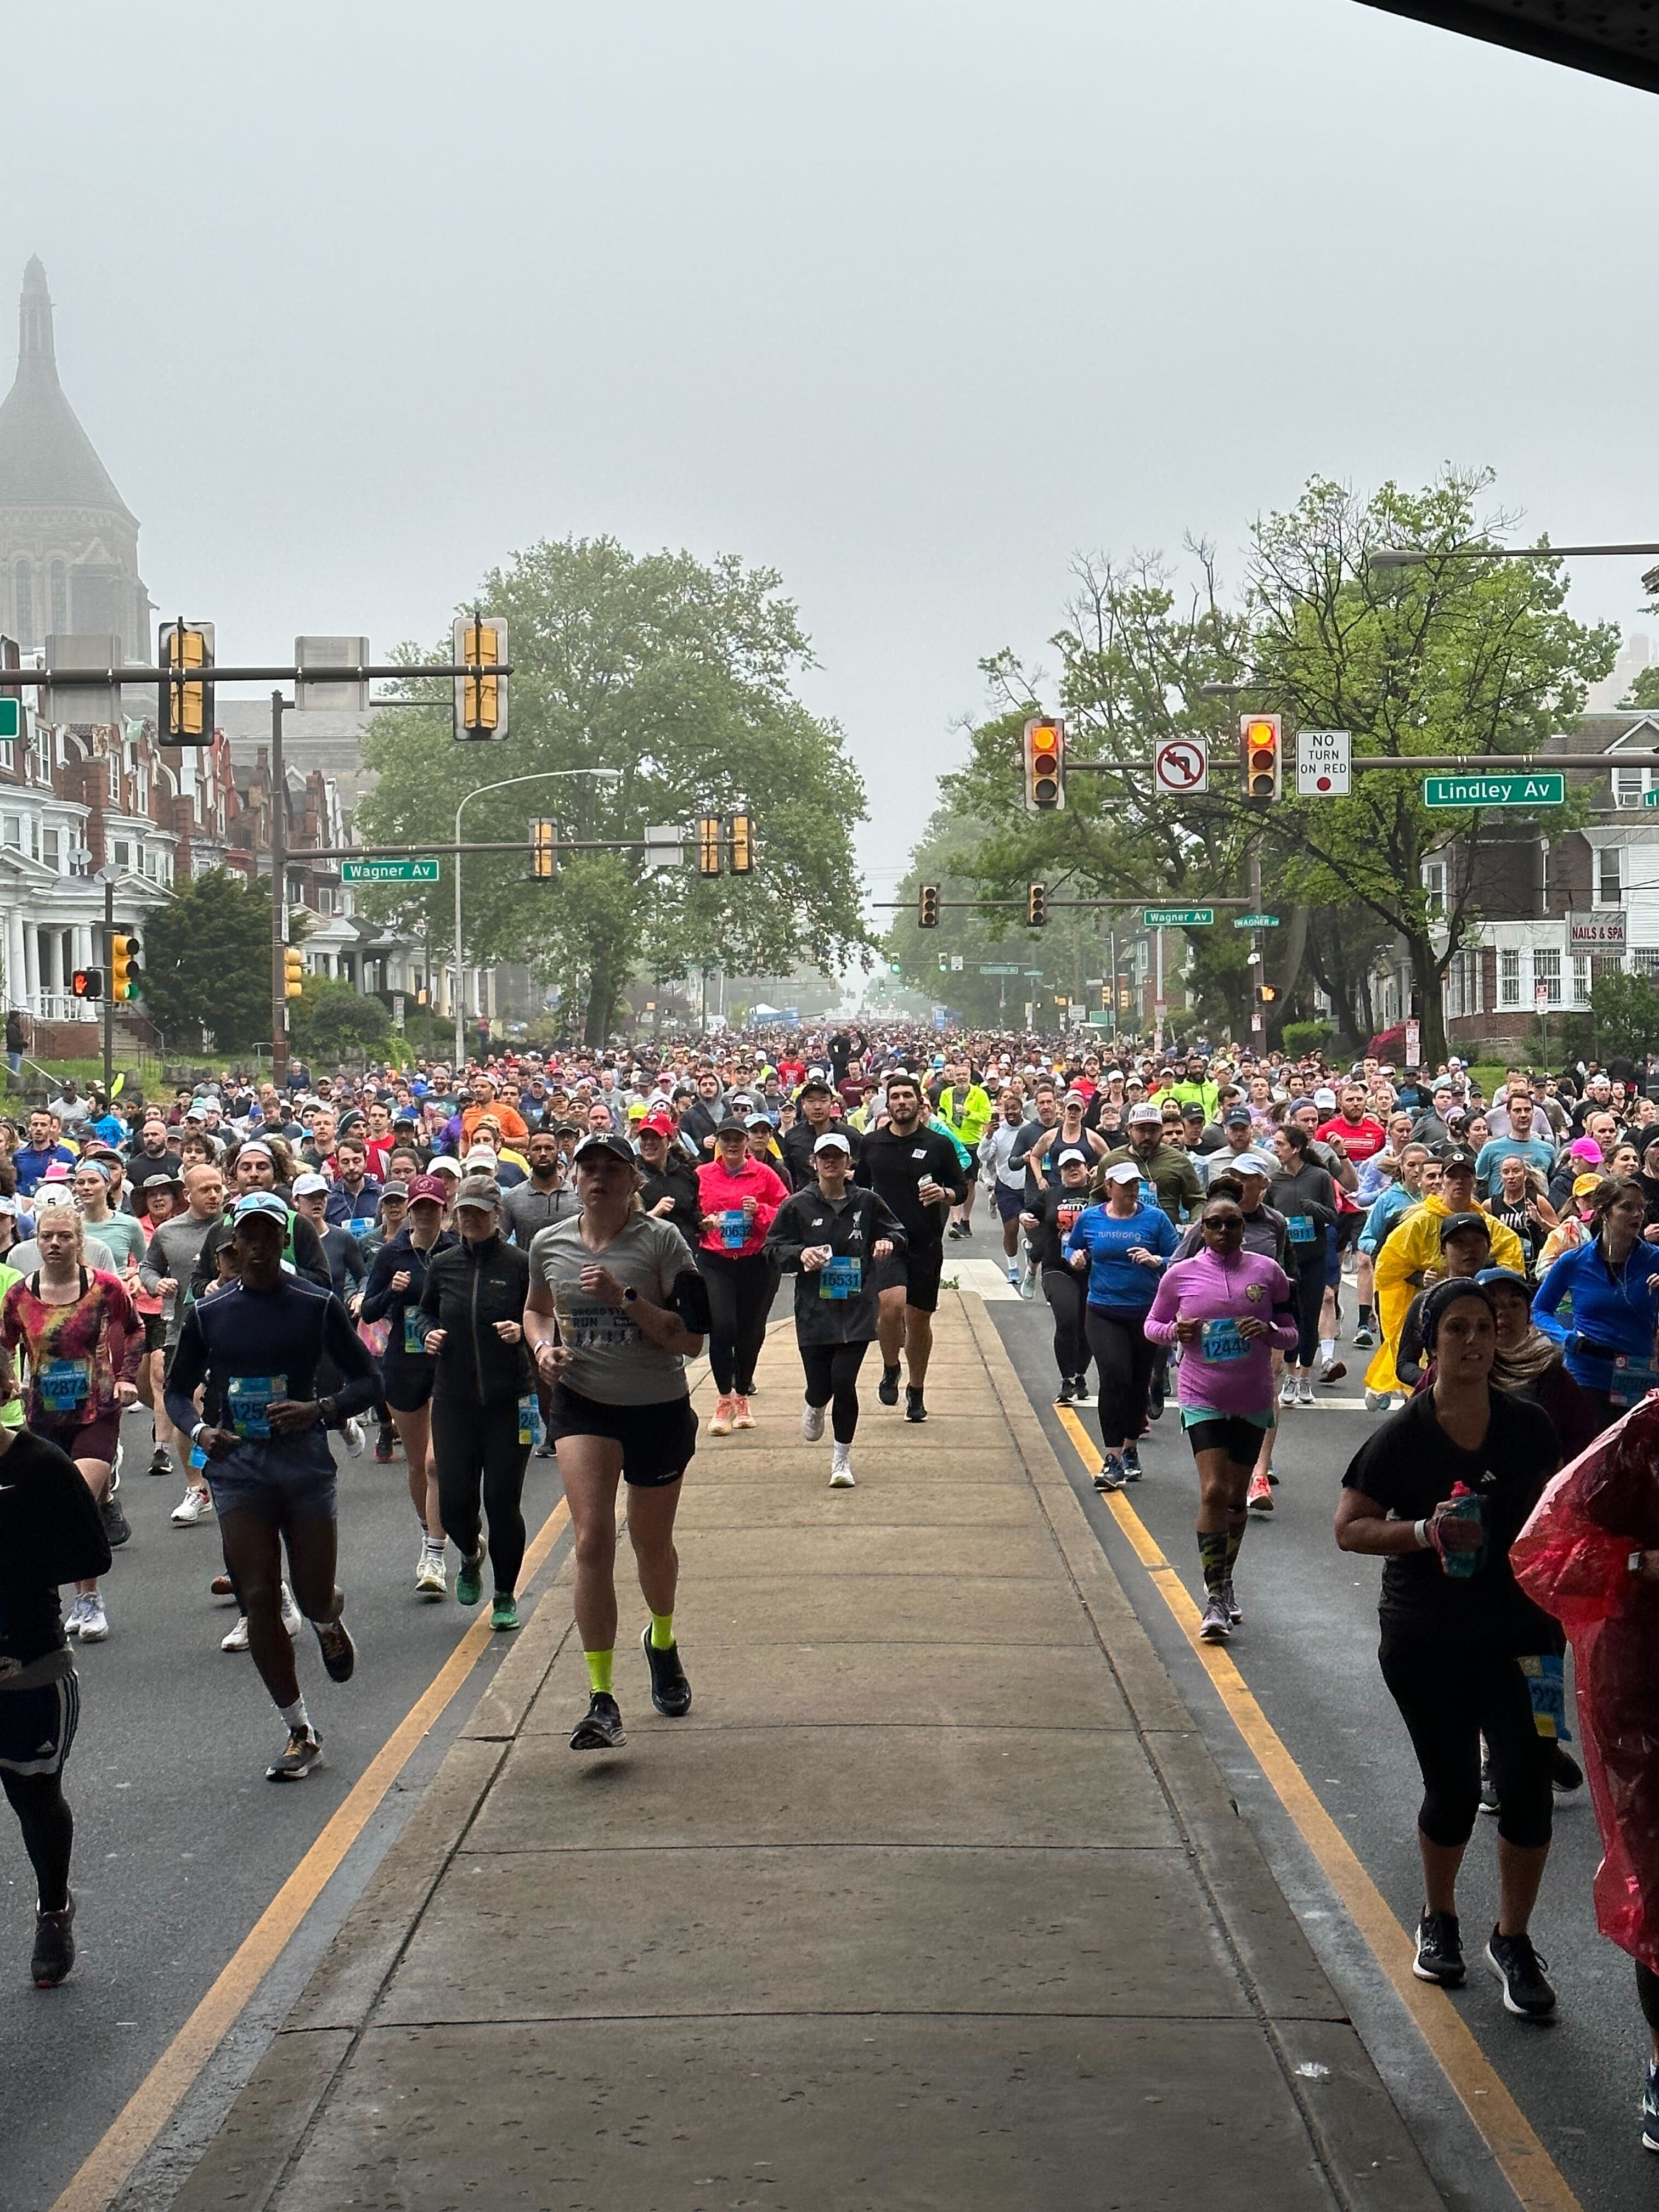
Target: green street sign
(1255, 921)
(389, 871)
(1177, 917)
(1650, 799)
(11, 718)
(997, 968)
(1495, 790)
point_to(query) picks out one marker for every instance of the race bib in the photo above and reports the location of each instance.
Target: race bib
(1546, 1685)
(734, 1229)
(414, 1331)
(530, 1431)
(1223, 1339)
(64, 1385)
(249, 1399)
(1631, 1380)
(840, 1278)
(1148, 1193)
(1301, 1228)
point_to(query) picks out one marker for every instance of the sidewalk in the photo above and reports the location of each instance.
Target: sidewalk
(935, 1899)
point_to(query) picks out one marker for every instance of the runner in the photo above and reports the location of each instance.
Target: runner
(832, 1239)
(1005, 1179)
(1304, 1193)
(397, 1282)
(84, 1341)
(740, 1197)
(543, 1196)
(964, 1107)
(914, 1170)
(483, 1410)
(253, 1350)
(1610, 1285)
(1047, 1226)
(616, 1308)
(1228, 1308)
(1123, 1248)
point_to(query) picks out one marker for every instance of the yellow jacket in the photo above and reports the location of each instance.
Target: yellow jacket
(1413, 1244)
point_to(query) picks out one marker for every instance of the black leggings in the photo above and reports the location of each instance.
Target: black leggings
(1067, 1294)
(1647, 1994)
(48, 1826)
(739, 1298)
(1449, 1700)
(832, 1380)
(1126, 1360)
(1310, 1297)
(478, 1453)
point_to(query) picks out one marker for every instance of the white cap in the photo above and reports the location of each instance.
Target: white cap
(1123, 1171)
(446, 1163)
(832, 1140)
(1325, 1099)
(1147, 1113)
(307, 1186)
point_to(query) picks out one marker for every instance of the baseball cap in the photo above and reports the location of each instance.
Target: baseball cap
(1454, 1224)
(1071, 1153)
(397, 1189)
(480, 1190)
(832, 1140)
(731, 1126)
(1583, 1184)
(479, 1162)
(660, 1125)
(759, 1121)
(1460, 1161)
(602, 1140)
(1254, 1164)
(1122, 1171)
(260, 1202)
(1237, 1117)
(1191, 1109)
(309, 1186)
(1325, 1099)
(446, 1163)
(1145, 1112)
(426, 1186)
(8, 1205)
(816, 1082)
(158, 1182)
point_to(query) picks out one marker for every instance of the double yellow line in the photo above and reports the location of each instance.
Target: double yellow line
(1526, 2165)
(153, 2103)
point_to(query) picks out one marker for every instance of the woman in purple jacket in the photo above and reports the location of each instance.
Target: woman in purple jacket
(1229, 1310)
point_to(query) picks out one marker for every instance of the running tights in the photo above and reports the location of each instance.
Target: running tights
(1067, 1294)
(832, 1380)
(48, 1826)
(480, 1458)
(1126, 1360)
(1647, 1991)
(1310, 1299)
(1448, 1701)
(739, 1298)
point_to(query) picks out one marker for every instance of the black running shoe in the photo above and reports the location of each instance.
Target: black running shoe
(887, 1389)
(160, 1462)
(671, 1694)
(913, 1408)
(54, 1947)
(1565, 1772)
(339, 1652)
(300, 1756)
(1066, 1391)
(1519, 1969)
(600, 1729)
(1439, 1950)
(116, 1527)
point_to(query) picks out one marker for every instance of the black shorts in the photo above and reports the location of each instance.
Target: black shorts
(37, 1726)
(1010, 1200)
(1229, 1433)
(156, 1333)
(406, 1384)
(657, 1440)
(918, 1271)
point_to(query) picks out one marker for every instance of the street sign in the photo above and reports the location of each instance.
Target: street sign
(1413, 1047)
(663, 846)
(1541, 997)
(1322, 758)
(1177, 917)
(1495, 790)
(956, 963)
(996, 968)
(348, 694)
(389, 871)
(1606, 931)
(1181, 766)
(1255, 921)
(1650, 799)
(11, 719)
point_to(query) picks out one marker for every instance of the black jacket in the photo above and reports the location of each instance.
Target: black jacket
(382, 1303)
(796, 1149)
(851, 1228)
(677, 1181)
(468, 1289)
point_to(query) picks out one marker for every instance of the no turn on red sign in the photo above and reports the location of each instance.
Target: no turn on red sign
(1181, 766)
(1323, 764)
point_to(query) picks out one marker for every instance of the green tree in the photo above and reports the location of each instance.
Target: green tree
(1644, 692)
(677, 673)
(1626, 1012)
(331, 1018)
(207, 963)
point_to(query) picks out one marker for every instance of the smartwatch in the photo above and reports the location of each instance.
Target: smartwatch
(630, 1295)
(1635, 1562)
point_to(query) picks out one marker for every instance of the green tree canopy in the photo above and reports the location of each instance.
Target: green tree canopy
(207, 963)
(677, 673)
(333, 1017)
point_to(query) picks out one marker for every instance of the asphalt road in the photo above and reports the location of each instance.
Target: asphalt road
(1308, 1651)
(180, 1841)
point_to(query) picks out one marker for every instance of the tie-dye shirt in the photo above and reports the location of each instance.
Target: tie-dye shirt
(78, 1352)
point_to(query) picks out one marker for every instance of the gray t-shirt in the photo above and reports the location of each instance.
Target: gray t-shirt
(525, 1209)
(611, 1361)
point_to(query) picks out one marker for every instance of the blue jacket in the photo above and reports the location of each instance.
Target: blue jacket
(1125, 1285)
(1614, 1312)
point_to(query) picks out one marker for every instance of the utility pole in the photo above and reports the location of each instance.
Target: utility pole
(109, 873)
(1258, 1012)
(279, 896)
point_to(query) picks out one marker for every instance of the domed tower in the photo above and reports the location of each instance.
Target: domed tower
(68, 546)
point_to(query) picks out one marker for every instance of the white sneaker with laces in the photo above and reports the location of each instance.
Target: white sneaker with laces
(1304, 1395)
(293, 1619)
(812, 1422)
(77, 1615)
(237, 1639)
(841, 1470)
(95, 1621)
(356, 1436)
(195, 1506)
(430, 1580)
(1287, 1389)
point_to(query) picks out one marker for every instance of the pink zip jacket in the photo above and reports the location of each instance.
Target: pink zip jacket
(1208, 1288)
(718, 1193)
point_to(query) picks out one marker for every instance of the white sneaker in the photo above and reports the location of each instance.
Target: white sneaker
(293, 1619)
(237, 1639)
(75, 1615)
(841, 1473)
(430, 1580)
(1304, 1395)
(195, 1506)
(812, 1422)
(1287, 1389)
(356, 1436)
(95, 1621)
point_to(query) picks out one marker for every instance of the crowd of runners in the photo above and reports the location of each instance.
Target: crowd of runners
(455, 1269)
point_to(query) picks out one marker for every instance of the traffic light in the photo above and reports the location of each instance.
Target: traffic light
(1045, 764)
(88, 983)
(927, 907)
(740, 843)
(125, 981)
(294, 971)
(480, 642)
(183, 713)
(1037, 905)
(1267, 993)
(708, 844)
(543, 851)
(1258, 741)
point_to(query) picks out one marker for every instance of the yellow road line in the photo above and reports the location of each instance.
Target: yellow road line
(104, 2173)
(1526, 2165)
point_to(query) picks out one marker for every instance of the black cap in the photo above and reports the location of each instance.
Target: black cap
(731, 1126)
(604, 1140)
(1456, 1224)
(816, 1083)
(1460, 1156)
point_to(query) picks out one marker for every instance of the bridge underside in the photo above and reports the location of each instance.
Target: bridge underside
(1616, 39)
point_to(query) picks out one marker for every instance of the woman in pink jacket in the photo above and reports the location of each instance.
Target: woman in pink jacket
(740, 1197)
(1229, 1310)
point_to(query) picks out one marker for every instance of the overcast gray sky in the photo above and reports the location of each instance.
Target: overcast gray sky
(911, 299)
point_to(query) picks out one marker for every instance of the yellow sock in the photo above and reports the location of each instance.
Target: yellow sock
(598, 1671)
(662, 1631)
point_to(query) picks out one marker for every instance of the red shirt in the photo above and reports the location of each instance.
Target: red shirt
(720, 1194)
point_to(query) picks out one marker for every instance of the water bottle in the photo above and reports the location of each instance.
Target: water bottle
(1464, 1505)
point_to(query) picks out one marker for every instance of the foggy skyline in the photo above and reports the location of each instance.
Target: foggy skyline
(910, 302)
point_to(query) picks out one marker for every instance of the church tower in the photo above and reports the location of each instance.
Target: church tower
(68, 547)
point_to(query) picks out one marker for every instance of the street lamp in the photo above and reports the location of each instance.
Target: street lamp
(1408, 557)
(540, 775)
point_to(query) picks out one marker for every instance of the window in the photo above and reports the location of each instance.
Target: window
(59, 598)
(1547, 970)
(124, 856)
(1509, 979)
(8, 754)
(11, 831)
(1610, 876)
(51, 843)
(324, 900)
(1434, 884)
(1581, 979)
(113, 771)
(23, 577)
(141, 791)
(1645, 959)
(1627, 783)
(41, 755)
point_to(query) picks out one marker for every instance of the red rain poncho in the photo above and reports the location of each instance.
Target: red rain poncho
(1572, 1559)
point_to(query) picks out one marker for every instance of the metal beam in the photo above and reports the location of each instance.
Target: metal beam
(1618, 39)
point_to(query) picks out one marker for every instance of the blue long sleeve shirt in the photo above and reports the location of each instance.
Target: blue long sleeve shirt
(1116, 1281)
(1612, 1313)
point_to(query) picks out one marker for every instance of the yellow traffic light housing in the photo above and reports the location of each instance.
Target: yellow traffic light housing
(294, 971)
(740, 844)
(927, 907)
(123, 977)
(543, 851)
(708, 844)
(1044, 743)
(1261, 765)
(480, 644)
(1037, 905)
(184, 709)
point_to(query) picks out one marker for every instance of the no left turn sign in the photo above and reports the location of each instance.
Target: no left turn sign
(1181, 766)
